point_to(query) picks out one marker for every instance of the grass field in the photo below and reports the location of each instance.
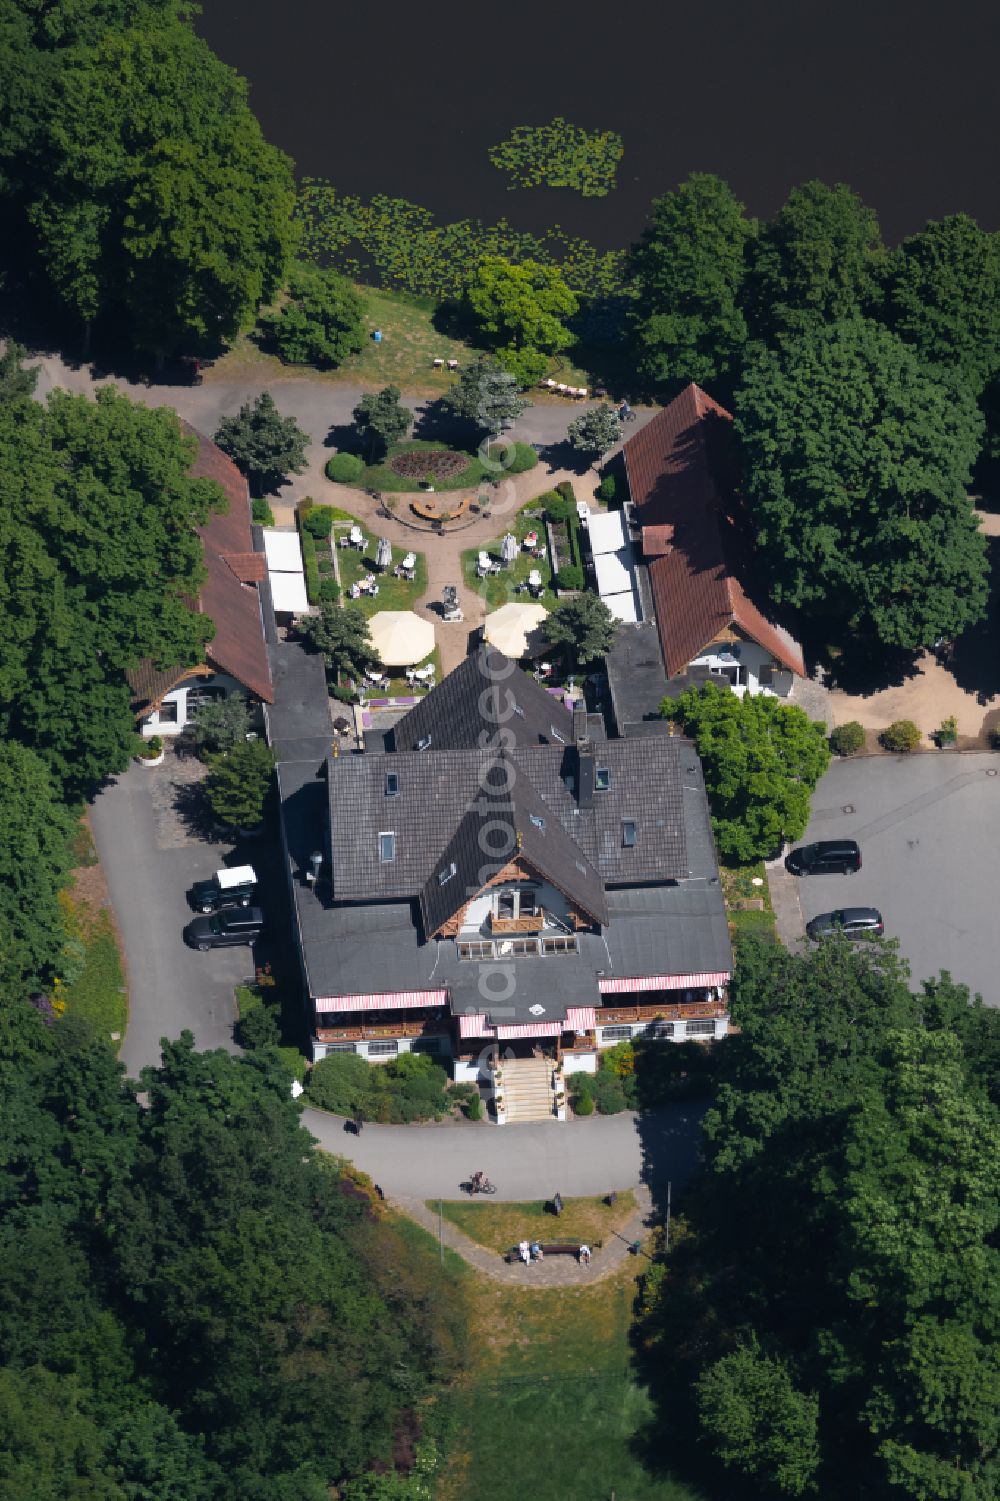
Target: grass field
(98, 992)
(500, 1226)
(548, 1407)
(393, 593)
(737, 886)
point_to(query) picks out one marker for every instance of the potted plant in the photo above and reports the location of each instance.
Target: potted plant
(152, 751)
(947, 733)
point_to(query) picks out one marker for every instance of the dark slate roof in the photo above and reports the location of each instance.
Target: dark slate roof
(552, 983)
(487, 693)
(666, 930)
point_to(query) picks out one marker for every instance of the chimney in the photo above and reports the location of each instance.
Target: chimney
(579, 722)
(586, 775)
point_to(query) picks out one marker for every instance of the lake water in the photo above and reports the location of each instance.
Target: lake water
(896, 97)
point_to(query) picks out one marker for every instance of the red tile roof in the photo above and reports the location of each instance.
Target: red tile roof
(228, 596)
(683, 515)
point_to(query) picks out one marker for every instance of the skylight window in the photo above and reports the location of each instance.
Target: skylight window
(386, 847)
(628, 832)
(424, 743)
(602, 781)
(392, 784)
(519, 711)
(538, 822)
(444, 876)
(556, 735)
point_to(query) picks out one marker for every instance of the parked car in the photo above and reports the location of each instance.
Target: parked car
(227, 888)
(853, 922)
(825, 858)
(223, 929)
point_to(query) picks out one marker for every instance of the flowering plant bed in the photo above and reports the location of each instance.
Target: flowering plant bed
(437, 463)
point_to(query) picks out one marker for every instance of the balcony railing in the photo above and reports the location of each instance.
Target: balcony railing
(692, 1011)
(390, 1029)
(507, 925)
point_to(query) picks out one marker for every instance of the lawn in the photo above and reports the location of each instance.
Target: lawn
(393, 593)
(500, 1226)
(739, 889)
(383, 477)
(548, 1406)
(98, 992)
(500, 588)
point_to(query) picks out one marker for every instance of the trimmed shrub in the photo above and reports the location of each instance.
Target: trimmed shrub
(259, 1028)
(608, 1091)
(583, 1104)
(847, 739)
(474, 1108)
(261, 512)
(329, 591)
(556, 506)
(318, 520)
(570, 576)
(902, 736)
(608, 488)
(568, 494)
(524, 458)
(345, 468)
(339, 1082)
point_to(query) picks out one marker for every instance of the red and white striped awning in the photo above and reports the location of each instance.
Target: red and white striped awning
(474, 1026)
(664, 982)
(531, 1029)
(580, 1018)
(394, 1000)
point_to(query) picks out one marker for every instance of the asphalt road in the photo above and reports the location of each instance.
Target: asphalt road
(171, 987)
(927, 827)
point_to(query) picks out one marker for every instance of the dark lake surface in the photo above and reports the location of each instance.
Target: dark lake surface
(896, 97)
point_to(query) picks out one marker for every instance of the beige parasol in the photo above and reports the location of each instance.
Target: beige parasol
(400, 637)
(518, 630)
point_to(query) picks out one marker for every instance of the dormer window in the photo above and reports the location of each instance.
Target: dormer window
(628, 833)
(392, 784)
(539, 823)
(556, 735)
(602, 779)
(444, 876)
(424, 743)
(386, 847)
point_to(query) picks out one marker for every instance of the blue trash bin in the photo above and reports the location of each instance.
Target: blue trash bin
(377, 335)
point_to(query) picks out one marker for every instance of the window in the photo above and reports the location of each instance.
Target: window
(628, 832)
(392, 784)
(603, 780)
(556, 735)
(386, 847)
(660, 1029)
(765, 676)
(424, 743)
(560, 943)
(168, 712)
(476, 948)
(203, 694)
(426, 1044)
(528, 904)
(341, 1047)
(383, 1049)
(701, 1029)
(444, 876)
(539, 823)
(505, 904)
(617, 1034)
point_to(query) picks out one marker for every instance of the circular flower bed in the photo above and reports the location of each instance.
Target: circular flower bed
(420, 463)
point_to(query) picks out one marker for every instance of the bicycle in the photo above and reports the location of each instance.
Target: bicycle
(480, 1184)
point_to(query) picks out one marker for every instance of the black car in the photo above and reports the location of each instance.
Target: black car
(825, 858)
(235, 887)
(223, 929)
(853, 922)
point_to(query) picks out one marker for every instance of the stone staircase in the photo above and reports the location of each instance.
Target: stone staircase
(527, 1084)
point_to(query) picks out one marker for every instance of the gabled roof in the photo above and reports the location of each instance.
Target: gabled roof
(238, 646)
(486, 694)
(673, 466)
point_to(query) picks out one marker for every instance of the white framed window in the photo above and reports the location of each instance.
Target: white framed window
(386, 847)
(168, 711)
(701, 1029)
(203, 693)
(341, 1047)
(616, 1034)
(386, 1049)
(660, 1029)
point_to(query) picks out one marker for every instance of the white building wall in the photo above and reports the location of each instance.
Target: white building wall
(724, 657)
(154, 725)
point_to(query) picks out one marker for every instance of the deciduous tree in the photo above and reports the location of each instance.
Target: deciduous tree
(487, 397)
(856, 460)
(320, 322)
(380, 420)
(239, 782)
(520, 311)
(596, 432)
(341, 635)
(266, 446)
(583, 626)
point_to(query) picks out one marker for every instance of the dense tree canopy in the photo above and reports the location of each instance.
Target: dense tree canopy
(596, 432)
(688, 269)
(762, 759)
(583, 626)
(520, 311)
(380, 420)
(943, 297)
(138, 176)
(267, 447)
(817, 261)
(837, 1304)
(342, 637)
(320, 321)
(34, 864)
(856, 461)
(486, 396)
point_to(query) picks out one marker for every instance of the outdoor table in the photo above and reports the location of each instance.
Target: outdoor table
(530, 541)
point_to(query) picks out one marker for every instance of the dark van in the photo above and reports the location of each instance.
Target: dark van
(224, 929)
(825, 858)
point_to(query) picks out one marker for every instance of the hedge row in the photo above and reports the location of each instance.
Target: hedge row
(310, 563)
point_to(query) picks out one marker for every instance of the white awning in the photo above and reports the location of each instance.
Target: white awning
(282, 550)
(288, 593)
(622, 606)
(606, 530)
(614, 572)
(400, 1000)
(664, 982)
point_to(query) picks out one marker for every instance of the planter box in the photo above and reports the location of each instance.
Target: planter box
(151, 760)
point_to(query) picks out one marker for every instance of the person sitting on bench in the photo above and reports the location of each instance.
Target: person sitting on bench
(536, 1251)
(585, 1255)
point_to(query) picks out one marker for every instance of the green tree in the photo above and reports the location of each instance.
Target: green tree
(583, 626)
(17, 381)
(320, 322)
(688, 270)
(239, 782)
(266, 446)
(756, 1420)
(817, 262)
(856, 460)
(380, 420)
(487, 397)
(34, 864)
(596, 432)
(341, 635)
(220, 724)
(148, 190)
(762, 759)
(520, 309)
(943, 297)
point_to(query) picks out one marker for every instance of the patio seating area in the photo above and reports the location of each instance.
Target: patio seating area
(440, 510)
(515, 564)
(394, 583)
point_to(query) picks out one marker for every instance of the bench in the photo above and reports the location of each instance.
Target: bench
(554, 1248)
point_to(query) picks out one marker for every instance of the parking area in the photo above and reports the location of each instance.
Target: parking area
(153, 842)
(927, 827)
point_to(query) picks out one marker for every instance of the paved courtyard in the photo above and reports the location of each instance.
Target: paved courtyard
(927, 827)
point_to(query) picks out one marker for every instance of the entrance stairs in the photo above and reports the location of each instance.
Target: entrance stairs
(528, 1089)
